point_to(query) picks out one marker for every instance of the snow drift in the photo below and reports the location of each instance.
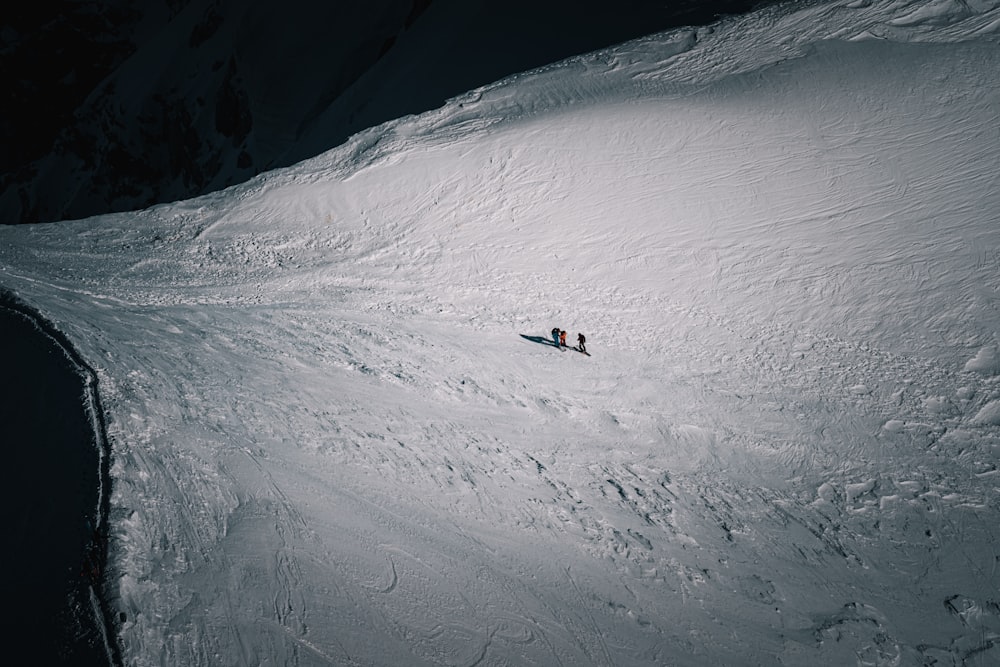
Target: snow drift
(341, 438)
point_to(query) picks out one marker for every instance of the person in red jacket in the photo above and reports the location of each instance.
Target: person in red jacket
(562, 338)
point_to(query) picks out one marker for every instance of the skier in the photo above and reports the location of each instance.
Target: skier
(562, 338)
(555, 336)
(581, 341)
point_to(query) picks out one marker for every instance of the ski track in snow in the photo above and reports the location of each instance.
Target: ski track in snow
(341, 438)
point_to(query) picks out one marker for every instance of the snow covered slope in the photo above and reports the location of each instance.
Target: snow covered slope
(342, 438)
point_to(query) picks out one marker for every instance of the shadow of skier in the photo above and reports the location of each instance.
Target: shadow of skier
(540, 339)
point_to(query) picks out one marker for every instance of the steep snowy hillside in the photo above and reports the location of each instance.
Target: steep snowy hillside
(342, 437)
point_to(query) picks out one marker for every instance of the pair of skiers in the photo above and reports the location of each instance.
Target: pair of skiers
(559, 339)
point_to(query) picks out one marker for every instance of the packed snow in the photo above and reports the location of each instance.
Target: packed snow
(342, 435)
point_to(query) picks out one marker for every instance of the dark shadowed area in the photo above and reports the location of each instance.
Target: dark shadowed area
(54, 553)
(119, 105)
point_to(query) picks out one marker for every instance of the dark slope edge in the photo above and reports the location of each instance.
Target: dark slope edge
(54, 431)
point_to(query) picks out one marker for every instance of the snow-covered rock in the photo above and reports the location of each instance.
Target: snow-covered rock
(986, 361)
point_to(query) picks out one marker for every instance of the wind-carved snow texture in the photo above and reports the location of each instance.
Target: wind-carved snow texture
(342, 437)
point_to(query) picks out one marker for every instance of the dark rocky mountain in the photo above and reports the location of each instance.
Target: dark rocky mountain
(121, 104)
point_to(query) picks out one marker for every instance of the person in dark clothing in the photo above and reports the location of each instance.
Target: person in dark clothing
(581, 342)
(555, 336)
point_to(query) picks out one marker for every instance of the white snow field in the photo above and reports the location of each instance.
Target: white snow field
(341, 437)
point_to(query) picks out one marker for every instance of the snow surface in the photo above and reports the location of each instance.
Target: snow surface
(341, 437)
